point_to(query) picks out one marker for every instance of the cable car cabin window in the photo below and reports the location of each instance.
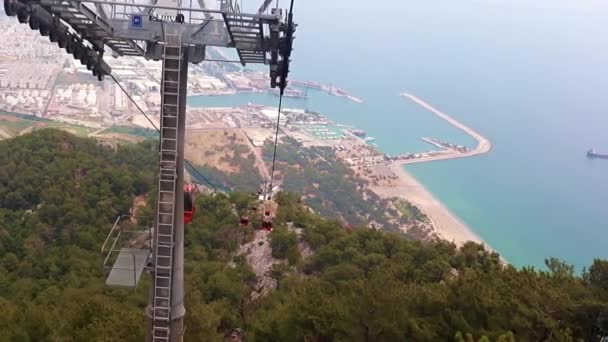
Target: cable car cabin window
(188, 207)
(188, 201)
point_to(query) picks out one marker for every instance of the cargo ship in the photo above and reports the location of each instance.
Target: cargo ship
(592, 154)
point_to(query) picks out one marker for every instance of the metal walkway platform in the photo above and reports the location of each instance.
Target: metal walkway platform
(128, 267)
(247, 35)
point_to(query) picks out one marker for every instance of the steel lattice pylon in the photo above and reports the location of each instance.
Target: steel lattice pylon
(176, 33)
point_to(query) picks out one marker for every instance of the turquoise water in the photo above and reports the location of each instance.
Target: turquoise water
(531, 77)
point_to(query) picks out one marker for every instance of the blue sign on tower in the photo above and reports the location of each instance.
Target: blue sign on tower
(137, 21)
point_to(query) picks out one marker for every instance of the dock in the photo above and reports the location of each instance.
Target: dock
(483, 144)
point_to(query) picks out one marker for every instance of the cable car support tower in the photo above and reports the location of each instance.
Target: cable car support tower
(177, 33)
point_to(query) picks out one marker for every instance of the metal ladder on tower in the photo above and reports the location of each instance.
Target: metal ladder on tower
(167, 186)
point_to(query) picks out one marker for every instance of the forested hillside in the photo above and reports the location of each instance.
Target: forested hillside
(59, 195)
(330, 187)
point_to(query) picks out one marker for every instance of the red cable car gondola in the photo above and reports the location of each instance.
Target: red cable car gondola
(244, 220)
(189, 209)
(267, 225)
(267, 222)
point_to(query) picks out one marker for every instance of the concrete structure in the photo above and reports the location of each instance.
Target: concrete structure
(483, 144)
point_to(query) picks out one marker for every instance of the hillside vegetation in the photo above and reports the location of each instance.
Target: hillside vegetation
(329, 186)
(59, 195)
(224, 158)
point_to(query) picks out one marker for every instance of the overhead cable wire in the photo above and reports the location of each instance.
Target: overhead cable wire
(282, 85)
(158, 130)
(276, 142)
(135, 103)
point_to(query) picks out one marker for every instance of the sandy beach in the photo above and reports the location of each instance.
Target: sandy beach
(447, 225)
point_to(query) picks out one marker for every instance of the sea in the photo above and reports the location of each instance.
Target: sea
(532, 76)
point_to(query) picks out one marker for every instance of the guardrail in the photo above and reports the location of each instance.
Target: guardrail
(113, 246)
(119, 10)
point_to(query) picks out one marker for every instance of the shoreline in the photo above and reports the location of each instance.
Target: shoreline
(446, 224)
(336, 92)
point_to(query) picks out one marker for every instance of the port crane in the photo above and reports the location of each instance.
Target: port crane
(177, 33)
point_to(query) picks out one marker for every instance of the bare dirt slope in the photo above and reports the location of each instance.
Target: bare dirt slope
(215, 147)
(259, 256)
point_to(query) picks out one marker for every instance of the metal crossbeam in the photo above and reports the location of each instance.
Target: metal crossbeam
(91, 25)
